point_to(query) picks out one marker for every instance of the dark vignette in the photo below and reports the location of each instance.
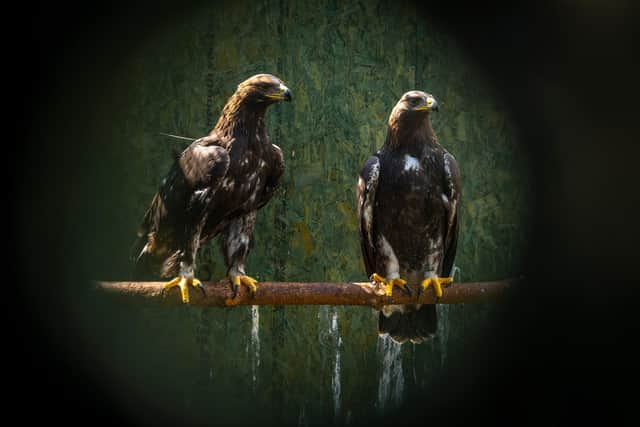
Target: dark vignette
(566, 344)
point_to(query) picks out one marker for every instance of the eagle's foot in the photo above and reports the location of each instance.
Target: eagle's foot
(183, 283)
(437, 282)
(247, 281)
(390, 283)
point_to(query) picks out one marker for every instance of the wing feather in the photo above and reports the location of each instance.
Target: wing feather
(274, 177)
(453, 192)
(367, 186)
(183, 195)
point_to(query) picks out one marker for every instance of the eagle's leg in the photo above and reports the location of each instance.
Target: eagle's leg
(390, 283)
(236, 240)
(437, 282)
(186, 261)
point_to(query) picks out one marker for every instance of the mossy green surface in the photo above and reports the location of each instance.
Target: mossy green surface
(347, 64)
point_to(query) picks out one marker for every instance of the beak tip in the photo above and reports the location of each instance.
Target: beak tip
(287, 96)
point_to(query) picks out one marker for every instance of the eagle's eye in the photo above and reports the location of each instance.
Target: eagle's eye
(414, 101)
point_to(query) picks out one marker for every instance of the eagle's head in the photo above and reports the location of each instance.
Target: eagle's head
(414, 105)
(263, 89)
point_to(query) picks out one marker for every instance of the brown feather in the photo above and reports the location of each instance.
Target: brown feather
(411, 228)
(217, 180)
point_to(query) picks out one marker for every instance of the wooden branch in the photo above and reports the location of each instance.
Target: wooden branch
(218, 294)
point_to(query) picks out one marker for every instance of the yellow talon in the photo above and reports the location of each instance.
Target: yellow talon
(437, 283)
(247, 281)
(388, 289)
(401, 283)
(389, 284)
(183, 283)
(375, 277)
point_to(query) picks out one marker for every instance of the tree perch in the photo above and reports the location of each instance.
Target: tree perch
(218, 294)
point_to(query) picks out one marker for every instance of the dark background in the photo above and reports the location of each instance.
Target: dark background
(566, 347)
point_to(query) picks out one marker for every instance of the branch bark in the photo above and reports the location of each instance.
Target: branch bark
(218, 294)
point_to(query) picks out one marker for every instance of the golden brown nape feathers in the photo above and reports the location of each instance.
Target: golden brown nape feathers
(251, 99)
(410, 115)
(215, 186)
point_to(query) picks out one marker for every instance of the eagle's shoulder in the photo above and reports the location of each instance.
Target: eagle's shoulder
(277, 157)
(367, 184)
(450, 160)
(371, 169)
(212, 139)
(273, 166)
(451, 173)
(204, 161)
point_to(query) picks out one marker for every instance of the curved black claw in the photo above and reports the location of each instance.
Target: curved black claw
(204, 294)
(419, 291)
(236, 288)
(163, 293)
(407, 289)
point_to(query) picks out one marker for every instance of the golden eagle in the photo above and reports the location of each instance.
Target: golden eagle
(408, 198)
(216, 185)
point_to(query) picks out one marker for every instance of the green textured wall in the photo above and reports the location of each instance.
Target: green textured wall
(347, 64)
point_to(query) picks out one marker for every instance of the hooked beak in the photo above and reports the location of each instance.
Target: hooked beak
(281, 94)
(430, 105)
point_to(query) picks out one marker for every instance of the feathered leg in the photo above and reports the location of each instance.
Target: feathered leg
(185, 260)
(236, 240)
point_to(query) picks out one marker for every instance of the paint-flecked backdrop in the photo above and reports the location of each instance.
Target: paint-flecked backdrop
(347, 63)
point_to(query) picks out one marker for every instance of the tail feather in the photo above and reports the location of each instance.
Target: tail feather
(409, 324)
(138, 248)
(143, 267)
(152, 264)
(149, 226)
(148, 252)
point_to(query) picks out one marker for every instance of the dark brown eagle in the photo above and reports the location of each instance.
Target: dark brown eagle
(408, 198)
(216, 185)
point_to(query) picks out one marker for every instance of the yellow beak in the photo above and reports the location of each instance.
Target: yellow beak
(282, 94)
(431, 105)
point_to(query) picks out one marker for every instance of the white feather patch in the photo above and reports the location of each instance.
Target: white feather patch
(367, 214)
(388, 310)
(393, 267)
(238, 241)
(186, 270)
(228, 184)
(411, 163)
